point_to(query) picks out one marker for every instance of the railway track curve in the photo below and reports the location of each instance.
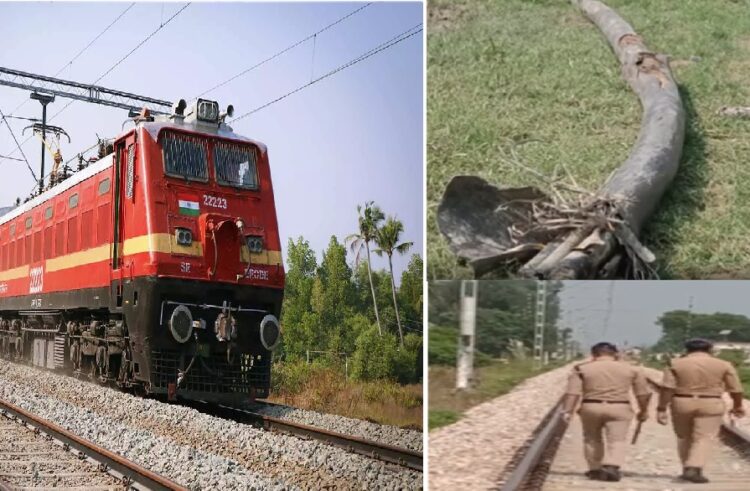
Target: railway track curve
(388, 453)
(32, 444)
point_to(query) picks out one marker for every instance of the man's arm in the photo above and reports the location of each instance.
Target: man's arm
(734, 387)
(642, 394)
(737, 411)
(572, 393)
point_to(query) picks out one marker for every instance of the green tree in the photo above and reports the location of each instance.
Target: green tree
(299, 326)
(375, 355)
(388, 239)
(332, 296)
(370, 216)
(410, 292)
(680, 325)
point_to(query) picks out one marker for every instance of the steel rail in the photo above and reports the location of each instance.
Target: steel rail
(139, 477)
(552, 427)
(376, 450)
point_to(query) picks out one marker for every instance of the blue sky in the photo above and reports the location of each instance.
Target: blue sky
(353, 137)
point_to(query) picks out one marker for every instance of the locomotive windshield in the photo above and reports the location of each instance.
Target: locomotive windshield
(185, 156)
(235, 165)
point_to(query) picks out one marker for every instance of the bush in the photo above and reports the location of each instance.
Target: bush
(442, 346)
(375, 355)
(408, 363)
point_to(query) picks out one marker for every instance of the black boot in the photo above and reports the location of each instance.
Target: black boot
(596, 475)
(694, 474)
(611, 472)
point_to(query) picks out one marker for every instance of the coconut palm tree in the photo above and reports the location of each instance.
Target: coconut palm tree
(370, 216)
(387, 238)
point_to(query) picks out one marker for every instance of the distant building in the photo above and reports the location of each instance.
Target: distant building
(720, 346)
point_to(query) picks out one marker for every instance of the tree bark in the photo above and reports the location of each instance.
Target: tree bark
(639, 183)
(395, 303)
(372, 289)
(491, 227)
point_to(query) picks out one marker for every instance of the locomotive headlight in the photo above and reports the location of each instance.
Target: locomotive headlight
(183, 236)
(181, 324)
(208, 111)
(254, 243)
(270, 332)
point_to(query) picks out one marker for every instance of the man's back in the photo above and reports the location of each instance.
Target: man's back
(701, 374)
(610, 380)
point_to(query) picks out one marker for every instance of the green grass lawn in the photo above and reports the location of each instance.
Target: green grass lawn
(533, 82)
(493, 380)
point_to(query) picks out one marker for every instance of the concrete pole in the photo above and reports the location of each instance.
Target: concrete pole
(465, 361)
(539, 322)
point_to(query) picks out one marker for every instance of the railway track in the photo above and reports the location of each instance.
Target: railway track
(35, 453)
(553, 460)
(388, 453)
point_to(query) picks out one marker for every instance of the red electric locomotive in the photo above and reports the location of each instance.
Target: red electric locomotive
(157, 267)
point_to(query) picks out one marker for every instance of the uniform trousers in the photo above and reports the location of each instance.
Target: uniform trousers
(696, 423)
(605, 425)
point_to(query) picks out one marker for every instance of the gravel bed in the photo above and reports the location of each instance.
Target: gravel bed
(194, 449)
(472, 453)
(390, 435)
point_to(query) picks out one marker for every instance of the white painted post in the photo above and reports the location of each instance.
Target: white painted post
(465, 362)
(539, 322)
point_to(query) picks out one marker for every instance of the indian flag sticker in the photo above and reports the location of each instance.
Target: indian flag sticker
(188, 207)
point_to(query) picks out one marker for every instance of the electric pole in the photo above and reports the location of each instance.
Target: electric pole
(43, 99)
(539, 321)
(468, 305)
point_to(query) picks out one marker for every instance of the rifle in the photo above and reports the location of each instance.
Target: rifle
(637, 432)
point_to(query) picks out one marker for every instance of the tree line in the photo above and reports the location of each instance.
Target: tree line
(504, 321)
(680, 325)
(336, 312)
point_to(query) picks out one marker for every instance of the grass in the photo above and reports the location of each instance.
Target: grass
(533, 82)
(446, 404)
(744, 373)
(326, 390)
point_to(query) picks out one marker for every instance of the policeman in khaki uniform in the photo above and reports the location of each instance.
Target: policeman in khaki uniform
(604, 385)
(693, 386)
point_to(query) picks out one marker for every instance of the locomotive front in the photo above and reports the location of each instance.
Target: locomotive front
(199, 274)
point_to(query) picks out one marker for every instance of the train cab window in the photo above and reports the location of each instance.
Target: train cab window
(185, 156)
(12, 229)
(48, 213)
(73, 201)
(104, 186)
(235, 165)
(29, 222)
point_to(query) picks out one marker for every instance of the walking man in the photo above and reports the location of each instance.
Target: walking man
(604, 385)
(693, 386)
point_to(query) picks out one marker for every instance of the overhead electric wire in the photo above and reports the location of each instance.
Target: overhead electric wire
(144, 41)
(80, 52)
(109, 70)
(279, 53)
(18, 146)
(392, 42)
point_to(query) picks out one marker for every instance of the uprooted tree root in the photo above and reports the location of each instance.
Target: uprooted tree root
(597, 236)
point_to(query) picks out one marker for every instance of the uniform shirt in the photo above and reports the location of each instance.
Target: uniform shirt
(606, 379)
(700, 373)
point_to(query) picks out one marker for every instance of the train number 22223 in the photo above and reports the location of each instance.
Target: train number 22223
(215, 201)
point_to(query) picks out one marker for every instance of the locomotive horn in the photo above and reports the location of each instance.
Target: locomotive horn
(178, 107)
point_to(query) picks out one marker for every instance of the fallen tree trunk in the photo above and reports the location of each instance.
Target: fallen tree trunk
(596, 238)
